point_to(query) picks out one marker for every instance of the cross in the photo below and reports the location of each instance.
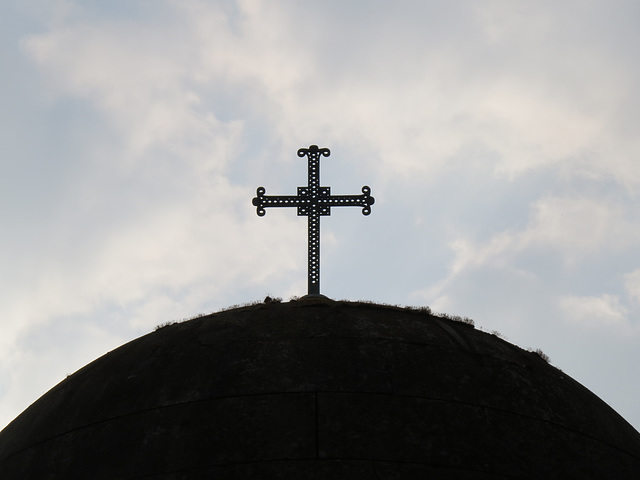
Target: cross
(313, 201)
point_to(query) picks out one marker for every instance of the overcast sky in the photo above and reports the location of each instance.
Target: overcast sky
(499, 138)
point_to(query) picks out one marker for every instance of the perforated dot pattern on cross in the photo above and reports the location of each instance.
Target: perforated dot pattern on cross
(313, 201)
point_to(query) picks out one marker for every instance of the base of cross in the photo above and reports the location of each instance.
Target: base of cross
(315, 299)
(314, 295)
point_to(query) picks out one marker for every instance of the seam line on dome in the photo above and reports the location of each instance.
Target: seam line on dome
(559, 425)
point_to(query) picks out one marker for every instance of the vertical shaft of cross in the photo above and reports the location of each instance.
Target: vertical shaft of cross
(313, 172)
(314, 222)
(314, 255)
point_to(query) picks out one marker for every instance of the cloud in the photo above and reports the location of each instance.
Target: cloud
(579, 226)
(549, 268)
(153, 208)
(139, 76)
(632, 285)
(568, 227)
(413, 111)
(602, 312)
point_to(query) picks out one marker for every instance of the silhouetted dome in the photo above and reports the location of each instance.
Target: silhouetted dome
(316, 389)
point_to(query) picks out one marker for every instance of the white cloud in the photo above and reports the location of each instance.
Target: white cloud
(139, 76)
(602, 312)
(571, 228)
(155, 211)
(563, 249)
(411, 111)
(632, 285)
(581, 226)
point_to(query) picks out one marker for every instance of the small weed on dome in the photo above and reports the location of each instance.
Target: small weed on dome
(165, 324)
(541, 354)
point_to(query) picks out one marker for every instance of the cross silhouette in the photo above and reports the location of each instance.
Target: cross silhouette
(313, 201)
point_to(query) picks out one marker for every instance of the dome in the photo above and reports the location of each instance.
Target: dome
(319, 389)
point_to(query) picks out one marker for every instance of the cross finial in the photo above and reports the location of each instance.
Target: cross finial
(313, 201)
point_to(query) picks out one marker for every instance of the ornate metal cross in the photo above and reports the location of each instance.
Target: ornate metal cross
(314, 201)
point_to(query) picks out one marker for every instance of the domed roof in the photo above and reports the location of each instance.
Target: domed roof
(318, 389)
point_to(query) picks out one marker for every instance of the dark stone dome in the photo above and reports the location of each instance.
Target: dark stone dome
(316, 389)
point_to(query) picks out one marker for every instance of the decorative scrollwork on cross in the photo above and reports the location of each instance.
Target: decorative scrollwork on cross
(313, 201)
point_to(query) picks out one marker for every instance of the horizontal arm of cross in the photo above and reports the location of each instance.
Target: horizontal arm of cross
(365, 200)
(262, 201)
(321, 204)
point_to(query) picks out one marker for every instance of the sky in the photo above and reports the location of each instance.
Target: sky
(499, 139)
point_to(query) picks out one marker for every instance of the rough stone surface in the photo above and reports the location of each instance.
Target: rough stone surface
(317, 389)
